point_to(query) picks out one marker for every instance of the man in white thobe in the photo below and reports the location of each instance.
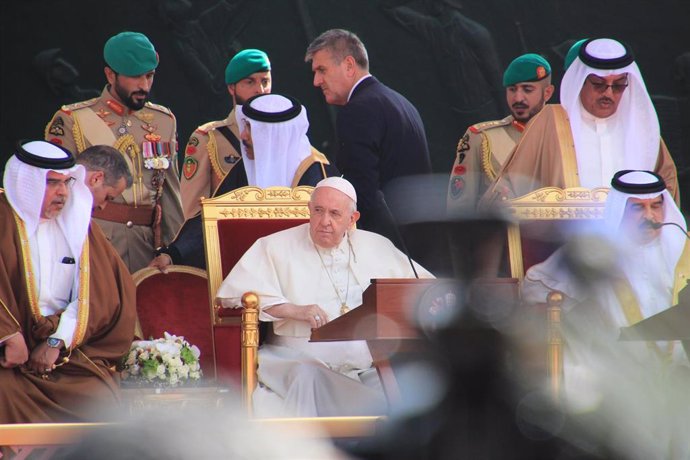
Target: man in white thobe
(68, 301)
(637, 389)
(650, 266)
(605, 122)
(305, 277)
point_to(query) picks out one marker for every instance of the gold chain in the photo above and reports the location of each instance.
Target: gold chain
(343, 303)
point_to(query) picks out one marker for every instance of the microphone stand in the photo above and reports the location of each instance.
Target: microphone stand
(396, 230)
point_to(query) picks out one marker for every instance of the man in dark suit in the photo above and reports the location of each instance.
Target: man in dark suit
(380, 133)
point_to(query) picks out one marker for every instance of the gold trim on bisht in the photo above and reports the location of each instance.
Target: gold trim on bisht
(83, 297)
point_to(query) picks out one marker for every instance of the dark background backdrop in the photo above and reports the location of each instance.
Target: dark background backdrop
(51, 54)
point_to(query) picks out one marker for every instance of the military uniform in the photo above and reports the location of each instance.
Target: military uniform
(149, 213)
(209, 157)
(480, 155)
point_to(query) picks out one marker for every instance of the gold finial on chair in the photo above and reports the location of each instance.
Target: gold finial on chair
(250, 301)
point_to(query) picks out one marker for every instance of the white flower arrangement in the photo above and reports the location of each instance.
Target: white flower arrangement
(168, 362)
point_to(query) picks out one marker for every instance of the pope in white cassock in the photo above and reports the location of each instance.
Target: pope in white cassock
(305, 277)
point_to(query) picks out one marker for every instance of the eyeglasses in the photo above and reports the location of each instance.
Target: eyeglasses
(601, 87)
(55, 183)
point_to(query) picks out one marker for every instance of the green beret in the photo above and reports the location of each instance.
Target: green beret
(572, 53)
(245, 63)
(528, 67)
(130, 54)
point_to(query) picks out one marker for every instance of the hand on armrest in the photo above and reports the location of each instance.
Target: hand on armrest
(312, 314)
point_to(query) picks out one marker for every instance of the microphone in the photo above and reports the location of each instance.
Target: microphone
(658, 225)
(389, 217)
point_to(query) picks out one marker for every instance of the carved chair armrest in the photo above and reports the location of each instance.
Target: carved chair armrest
(250, 346)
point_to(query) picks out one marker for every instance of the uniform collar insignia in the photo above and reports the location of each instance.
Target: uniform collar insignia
(115, 107)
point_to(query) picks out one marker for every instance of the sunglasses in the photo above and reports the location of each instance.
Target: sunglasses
(601, 87)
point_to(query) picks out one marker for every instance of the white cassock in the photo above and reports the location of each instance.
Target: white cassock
(324, 378)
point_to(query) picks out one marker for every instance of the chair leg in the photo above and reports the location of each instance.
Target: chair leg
(554, 366)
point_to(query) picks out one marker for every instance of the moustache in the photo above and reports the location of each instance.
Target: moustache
(140, 93)
(650, 224)
(607, 100)
(519, 105)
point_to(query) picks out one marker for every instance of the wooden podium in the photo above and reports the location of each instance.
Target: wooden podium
(392, 311)
(670, 324)
(384, 321)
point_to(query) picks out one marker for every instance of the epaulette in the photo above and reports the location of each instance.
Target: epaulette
(68, 109)
(210, 126)
(160, 108)
(483, 126)
(319, 157)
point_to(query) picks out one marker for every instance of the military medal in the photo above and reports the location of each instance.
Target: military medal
(122, 130)
(146, 117)
(156, 155)
(150, 136)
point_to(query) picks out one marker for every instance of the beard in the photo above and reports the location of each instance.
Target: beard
(239, 100)
(531, 113)
(128, 99)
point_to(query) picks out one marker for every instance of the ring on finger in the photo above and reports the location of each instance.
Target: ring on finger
(317, 318)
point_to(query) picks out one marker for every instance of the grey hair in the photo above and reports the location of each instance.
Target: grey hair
(341, 43)
(109, 160)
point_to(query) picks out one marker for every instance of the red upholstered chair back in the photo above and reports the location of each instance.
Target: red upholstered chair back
(232, 223)
(544, 218)
(177, 303)
(540, 239)
(235, 236)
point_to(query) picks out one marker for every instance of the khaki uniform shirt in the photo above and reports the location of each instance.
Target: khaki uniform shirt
(209, 156)
(147, 139)
(478, 160)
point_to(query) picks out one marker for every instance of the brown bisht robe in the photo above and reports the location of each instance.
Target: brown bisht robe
(545, 157)
(88, 378)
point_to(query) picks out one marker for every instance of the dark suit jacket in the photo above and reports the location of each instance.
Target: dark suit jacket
(380, 137)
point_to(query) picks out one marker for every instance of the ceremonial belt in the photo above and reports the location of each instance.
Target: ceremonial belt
(124, 214)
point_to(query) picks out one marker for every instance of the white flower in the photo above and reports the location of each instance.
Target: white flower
(166, 354)
(195, 351)
(167, 348)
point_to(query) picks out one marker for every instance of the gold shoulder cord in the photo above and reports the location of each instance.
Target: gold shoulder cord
(487, 164)
(78, 135)
(128, 147)
(212, 150)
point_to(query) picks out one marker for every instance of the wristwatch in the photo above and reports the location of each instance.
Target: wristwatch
(54, 342)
